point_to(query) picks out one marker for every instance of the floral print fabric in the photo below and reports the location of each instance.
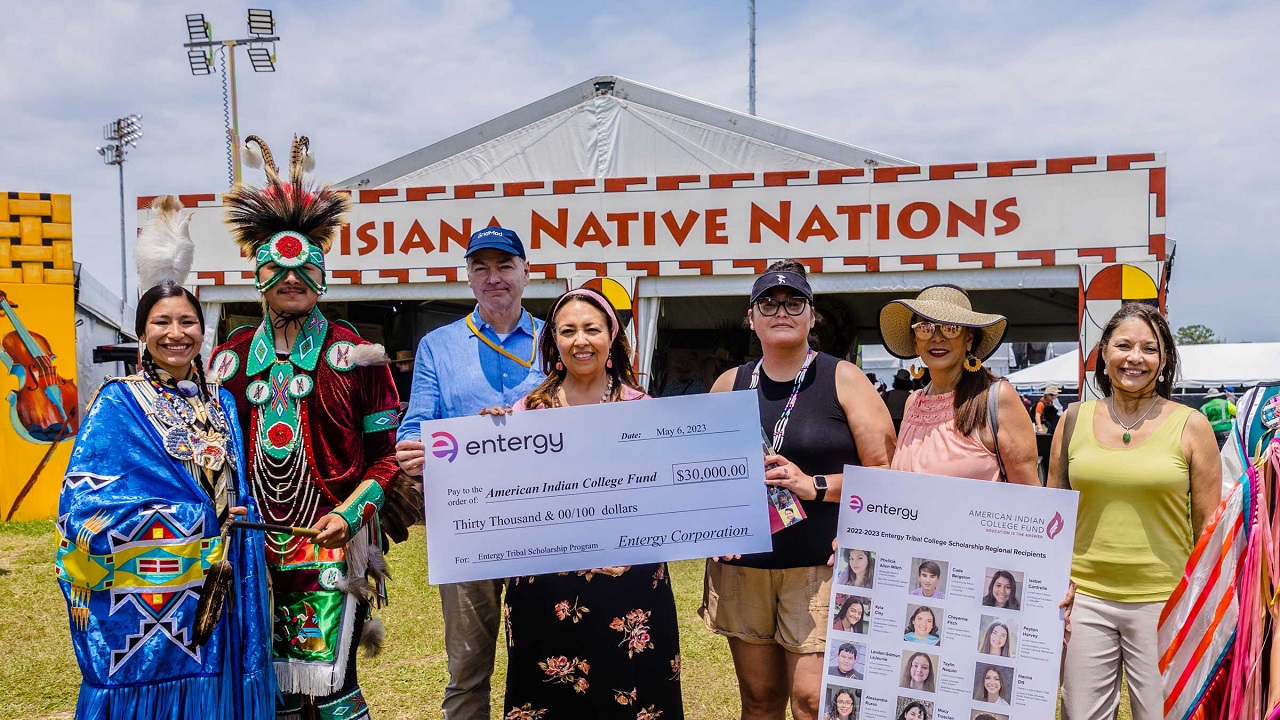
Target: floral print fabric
(590, 645)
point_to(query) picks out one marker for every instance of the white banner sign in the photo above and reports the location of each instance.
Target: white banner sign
(594, 486)
(945, 600)
(644, 220)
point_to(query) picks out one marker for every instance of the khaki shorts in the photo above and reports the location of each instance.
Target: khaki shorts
(787, 607)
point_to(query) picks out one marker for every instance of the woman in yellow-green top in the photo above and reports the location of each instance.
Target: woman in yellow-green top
(1147, 469)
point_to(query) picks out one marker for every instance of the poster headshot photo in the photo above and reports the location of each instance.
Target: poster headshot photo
(1003, 589)
(929, 578)
(910, 708)
(987, 715)
(841, 703)
(857, 568)
(993, 684)
(923, 624)
(998, 636)
(847, 660)
(851, 613)
(919, 672)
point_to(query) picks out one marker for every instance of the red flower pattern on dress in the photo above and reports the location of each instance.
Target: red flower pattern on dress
(635, 630)
(280, 434)
(675, 667)
(624, 698)
(563, 670)
(649, 713)
(506, 616)
(564, 610)
(660, 574)
(524, 712)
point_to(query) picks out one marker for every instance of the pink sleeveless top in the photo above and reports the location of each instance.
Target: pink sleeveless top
(929, 443)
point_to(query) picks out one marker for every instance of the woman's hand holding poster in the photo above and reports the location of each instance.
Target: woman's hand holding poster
(944, 604)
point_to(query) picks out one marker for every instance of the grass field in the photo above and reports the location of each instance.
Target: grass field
(39, 678)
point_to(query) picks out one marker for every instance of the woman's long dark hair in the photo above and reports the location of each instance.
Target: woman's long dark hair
(911, 621)
(924, 711)
(832, 714)
(146, 304)
(1168, 349)
(980, 680)
(620, 352)
(844, 610)
(986, 640)
(990, 599)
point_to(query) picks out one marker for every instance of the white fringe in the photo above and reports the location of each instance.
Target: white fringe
(299, 677)
(370, 354)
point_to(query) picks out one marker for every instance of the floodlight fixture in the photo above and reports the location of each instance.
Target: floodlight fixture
(197, 28)
(121, 134)
(262, 58)
(261, 22)
(200, 61)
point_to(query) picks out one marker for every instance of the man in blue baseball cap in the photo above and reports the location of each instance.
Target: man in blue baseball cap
(488, 358)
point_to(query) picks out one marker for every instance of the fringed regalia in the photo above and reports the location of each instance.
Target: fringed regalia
(1216, 651)
(320, 424)
(138, 526)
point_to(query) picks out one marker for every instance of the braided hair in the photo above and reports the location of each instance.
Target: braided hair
(146, 304)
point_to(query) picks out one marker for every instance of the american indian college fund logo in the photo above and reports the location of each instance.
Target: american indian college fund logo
(1055, 525)
(444, 446)
(855, 503)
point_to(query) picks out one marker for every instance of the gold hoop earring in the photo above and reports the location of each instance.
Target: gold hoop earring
(916, 372)
(972, 364)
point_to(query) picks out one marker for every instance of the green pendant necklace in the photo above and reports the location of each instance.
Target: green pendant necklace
(1127, 436)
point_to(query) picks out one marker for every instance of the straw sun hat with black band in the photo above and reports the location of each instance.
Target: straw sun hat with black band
(942, 304)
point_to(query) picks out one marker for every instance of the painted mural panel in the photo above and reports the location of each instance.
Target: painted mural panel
(39, 399)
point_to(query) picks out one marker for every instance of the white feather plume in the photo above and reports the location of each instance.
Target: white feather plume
(251, 156)
(308, 161)
(164, 252)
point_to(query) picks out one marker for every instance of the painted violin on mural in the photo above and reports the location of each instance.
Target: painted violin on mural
(45, 408)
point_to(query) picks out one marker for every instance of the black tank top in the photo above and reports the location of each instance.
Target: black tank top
(818, 441)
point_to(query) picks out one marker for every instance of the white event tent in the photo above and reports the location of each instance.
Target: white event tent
(1203, 366)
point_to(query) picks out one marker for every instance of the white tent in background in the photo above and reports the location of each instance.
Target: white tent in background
(1203, 366)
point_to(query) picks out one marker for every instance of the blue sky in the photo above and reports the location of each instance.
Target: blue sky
(926, 81)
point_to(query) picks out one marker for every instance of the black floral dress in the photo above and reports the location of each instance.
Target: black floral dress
(589, 645)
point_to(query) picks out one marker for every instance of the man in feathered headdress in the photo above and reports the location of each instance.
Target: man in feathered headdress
(319, 410)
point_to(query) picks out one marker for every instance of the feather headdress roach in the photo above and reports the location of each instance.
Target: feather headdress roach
(164, 251)
(297, 204)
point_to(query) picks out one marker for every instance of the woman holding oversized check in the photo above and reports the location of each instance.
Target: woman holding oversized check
(819, 414)
(601, 643)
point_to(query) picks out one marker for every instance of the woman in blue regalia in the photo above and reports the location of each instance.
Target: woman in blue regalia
(154, 477)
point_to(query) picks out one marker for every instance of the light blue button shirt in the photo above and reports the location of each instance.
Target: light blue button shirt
(457, 374)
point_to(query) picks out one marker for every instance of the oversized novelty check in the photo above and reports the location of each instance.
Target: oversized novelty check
(595, 486)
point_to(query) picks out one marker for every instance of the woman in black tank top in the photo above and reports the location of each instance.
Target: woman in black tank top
(821, 414)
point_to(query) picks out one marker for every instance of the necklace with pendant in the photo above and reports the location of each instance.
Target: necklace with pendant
(1127, 436)
(608, 391)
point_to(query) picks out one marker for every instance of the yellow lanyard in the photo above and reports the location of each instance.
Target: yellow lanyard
(500, 349)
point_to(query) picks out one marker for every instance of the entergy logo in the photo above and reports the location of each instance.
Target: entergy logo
(444, 446)
(855, 503)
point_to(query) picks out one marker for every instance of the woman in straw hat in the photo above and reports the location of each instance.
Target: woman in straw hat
(818, 413)
(947, 428)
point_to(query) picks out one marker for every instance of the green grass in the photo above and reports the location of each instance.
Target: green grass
(39, 678)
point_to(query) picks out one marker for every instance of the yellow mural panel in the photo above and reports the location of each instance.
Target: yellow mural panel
(39, 398)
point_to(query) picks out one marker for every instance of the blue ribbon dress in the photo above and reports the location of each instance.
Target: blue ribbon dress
(137, 533)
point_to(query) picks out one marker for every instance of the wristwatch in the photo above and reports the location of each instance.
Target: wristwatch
(820, 485)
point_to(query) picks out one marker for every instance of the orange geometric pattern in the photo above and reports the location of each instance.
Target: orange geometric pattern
(35, 238)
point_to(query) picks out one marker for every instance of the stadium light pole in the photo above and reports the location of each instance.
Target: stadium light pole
(121, 135)
(200, 49)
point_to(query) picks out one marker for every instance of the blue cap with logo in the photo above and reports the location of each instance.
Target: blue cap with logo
(497, 238)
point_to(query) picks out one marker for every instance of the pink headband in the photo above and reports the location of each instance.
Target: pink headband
(614, 326)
